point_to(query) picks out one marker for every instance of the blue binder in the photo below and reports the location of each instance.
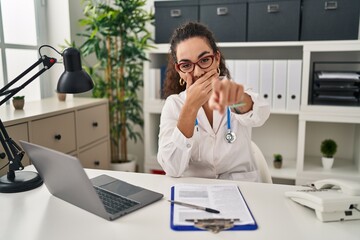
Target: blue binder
(193, 228)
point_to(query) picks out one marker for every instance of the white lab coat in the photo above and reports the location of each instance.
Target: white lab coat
(207, 153)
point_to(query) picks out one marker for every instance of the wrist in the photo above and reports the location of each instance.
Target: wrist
(245, 106)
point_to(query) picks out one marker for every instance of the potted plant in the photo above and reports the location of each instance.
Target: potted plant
(18, 102)
(277, 160)
(116, 34)
(328, 149)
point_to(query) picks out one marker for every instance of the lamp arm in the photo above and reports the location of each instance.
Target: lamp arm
(5, 91)
(12, 150)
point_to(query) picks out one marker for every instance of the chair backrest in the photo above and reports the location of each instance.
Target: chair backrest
(261, 164)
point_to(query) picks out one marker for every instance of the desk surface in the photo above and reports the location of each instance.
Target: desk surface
(37, 215)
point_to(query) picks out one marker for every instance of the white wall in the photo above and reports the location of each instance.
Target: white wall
(58, 30)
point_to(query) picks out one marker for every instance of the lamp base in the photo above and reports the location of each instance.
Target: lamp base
(24, 181)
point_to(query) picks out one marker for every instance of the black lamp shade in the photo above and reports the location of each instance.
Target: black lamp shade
(74, 79)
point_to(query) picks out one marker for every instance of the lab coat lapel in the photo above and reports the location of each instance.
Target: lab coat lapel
(204, 124)
(218, 121)
(203, 121)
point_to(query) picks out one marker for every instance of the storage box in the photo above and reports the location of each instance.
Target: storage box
(225, 18)
(270, 20)
(171, 14)
(330, 19)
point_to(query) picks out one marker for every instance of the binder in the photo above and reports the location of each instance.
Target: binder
(293, 85)
(253, 70)
(250, 225)
(279, 88)
(240, 72)
(230, 64)
(155, 83)
(266, 80)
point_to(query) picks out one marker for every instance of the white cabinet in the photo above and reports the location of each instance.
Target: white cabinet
(78, 126)
(294, 129)
(56, 132)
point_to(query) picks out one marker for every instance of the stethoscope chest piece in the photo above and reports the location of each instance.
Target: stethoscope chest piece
(230, 136)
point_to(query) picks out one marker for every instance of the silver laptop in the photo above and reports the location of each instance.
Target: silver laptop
(104, 196)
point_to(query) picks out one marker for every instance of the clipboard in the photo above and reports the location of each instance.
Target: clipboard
(237, 226)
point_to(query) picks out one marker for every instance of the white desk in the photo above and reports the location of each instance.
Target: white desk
(37, 215)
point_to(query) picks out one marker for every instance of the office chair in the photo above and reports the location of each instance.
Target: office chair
(261, 164)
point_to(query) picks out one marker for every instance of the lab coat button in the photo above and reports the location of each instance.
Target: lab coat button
(188, 145)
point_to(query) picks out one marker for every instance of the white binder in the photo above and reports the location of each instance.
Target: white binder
(279, 87)
(230, 64)
(253, 75)
(266, 80)
(240, 75)
(293, 85)
(155, 83)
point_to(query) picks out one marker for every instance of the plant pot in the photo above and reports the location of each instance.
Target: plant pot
(327, 162)
(18, 103)
(129, 166)
(61, 97)
(277, 164)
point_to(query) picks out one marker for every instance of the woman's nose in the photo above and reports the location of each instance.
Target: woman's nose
(198, 72)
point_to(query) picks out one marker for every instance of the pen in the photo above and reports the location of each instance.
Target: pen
(210, 210)
(238, 105)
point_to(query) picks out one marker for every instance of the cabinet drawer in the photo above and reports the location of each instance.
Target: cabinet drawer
(225, 18)
(171, 14)
(92, 124)
(96, 157)
(16, 132)
(270, 20)
(330, 19)
(56, 132)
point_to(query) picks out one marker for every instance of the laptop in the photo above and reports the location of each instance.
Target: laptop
(105, 196)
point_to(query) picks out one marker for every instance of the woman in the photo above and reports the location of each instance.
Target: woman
(200, 135)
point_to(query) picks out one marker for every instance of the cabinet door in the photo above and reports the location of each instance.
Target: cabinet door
(96, 157)
(16, 132)
(56, 132)
(92, 124)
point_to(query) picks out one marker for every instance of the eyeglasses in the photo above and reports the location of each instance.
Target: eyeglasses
(203, 63)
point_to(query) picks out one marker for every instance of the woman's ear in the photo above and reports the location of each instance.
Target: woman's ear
(218, 56)
(176, 68)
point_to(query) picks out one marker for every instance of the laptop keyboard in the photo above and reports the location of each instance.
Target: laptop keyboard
(114, 203)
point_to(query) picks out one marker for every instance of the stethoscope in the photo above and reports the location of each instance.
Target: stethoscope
(230, 136)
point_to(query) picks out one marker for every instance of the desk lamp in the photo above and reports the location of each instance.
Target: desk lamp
(73, 80)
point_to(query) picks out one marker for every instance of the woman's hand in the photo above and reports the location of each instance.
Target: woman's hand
(199, 91)
(226, 93)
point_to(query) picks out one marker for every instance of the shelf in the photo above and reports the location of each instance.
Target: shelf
(287, 171)
(154, 105)
(284, 112)
(314, 46)
(331, 114)
(341, 167)
(332, 46)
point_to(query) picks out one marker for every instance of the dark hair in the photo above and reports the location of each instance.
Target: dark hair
(186, 31)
